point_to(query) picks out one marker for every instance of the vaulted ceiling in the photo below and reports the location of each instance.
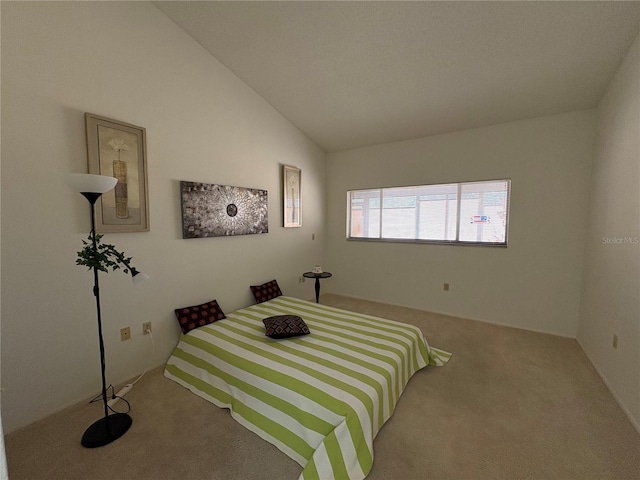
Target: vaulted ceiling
(352, 74)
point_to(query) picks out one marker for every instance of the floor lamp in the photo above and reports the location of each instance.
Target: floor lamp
(110, 427)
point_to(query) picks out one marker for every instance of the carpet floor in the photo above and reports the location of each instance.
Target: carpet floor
(510, 404)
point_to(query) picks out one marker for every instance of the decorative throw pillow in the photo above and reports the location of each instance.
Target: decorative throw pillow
(199, 315)
(266, 291)
(285, 326)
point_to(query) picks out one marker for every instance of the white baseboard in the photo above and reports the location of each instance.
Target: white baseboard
(634, 421)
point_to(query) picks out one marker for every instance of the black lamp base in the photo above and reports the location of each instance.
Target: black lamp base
(106, 430)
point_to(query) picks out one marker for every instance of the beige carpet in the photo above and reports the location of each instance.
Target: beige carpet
(510, 404)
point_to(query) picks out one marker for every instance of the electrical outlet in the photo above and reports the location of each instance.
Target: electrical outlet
(146, 328)
(615, 341)
(445, 287)
(125, 333)
(313, 236)
(300, 279)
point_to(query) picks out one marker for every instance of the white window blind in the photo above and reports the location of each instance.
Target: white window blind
(470, 213)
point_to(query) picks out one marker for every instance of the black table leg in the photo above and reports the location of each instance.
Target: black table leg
(317, 289)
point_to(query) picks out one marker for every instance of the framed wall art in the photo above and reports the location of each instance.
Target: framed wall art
(210, 210)
(119, 150)
(291, 196)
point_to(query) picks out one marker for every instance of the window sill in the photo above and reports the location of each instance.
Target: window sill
(427, 242)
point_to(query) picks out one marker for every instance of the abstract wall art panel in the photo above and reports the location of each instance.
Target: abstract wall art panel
(210, 210)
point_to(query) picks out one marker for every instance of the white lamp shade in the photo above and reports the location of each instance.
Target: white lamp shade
(88, 183)
(140, 277)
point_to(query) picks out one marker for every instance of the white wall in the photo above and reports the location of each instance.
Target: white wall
(129, 62)
(611, 288)
(534, 283)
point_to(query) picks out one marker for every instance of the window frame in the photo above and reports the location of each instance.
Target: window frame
(427, 241)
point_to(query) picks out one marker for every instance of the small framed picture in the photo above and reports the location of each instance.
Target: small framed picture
(292, 196)
(119, 150)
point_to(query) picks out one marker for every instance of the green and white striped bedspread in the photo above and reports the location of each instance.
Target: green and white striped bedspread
(320, 398)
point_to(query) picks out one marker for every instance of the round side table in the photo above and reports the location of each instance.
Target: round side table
(317, 276)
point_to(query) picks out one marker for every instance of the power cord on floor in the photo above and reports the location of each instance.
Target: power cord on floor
(98, 397)
(113, 398)
(116, 397)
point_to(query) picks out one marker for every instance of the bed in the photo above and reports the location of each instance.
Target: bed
(319, 398)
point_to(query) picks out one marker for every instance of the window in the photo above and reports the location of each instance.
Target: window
(466, 213)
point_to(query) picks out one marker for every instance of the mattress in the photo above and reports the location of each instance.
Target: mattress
(319, 398)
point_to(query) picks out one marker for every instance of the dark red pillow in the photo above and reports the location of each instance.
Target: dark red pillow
(285, 326)
(266, 291)
(199, 315)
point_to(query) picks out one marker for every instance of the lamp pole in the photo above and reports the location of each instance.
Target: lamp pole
(96, 293)
(101, 257)
(111, 427)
